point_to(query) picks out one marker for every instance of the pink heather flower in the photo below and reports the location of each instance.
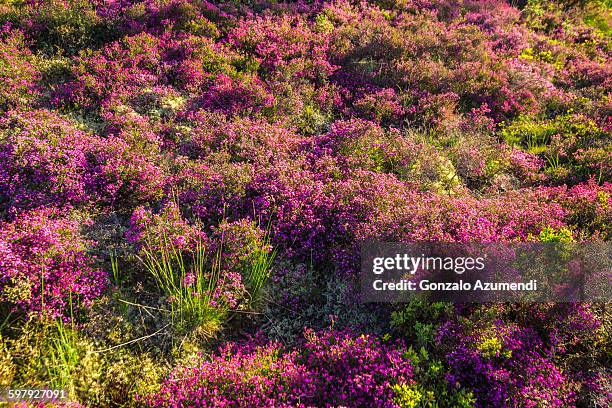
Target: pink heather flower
(326, 369)
(189, 279)
(44, 258)
(180, 241)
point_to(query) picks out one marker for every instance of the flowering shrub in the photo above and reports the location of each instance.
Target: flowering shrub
(507, 366)
(50, 161)
(383, 106)
(164, 230)
(354, 371)
(517, 354)
(243, 140)
(45, 160)
(526, 165)
(18, 74)
(248, 375)
(587, 205)
(121, 176)
(331, 368)
(208, 189)
(411, 215)
(229, 96)
(45, 268)
(285, 45)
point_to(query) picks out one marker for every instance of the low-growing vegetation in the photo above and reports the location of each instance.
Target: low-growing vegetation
(184, 185)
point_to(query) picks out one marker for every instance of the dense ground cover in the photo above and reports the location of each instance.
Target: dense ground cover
(184, 184)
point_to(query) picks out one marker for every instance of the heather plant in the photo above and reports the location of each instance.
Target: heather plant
(50, 161)
(412, 215)
(18, 73)
(564, 326)
(331, 368)
(587, 207)
(139, 131)
(38, 168)
(507, 365)
(219, 78)
(119, 69)
(546, 335)
(46, 267)
(525, 165)
(247, 96)
(285, 46)
(185, 16)
(249, 141)
(163, 232)
(383, 105)
(123, 176)
(338, 360)
(197, 63)
(477, 160)
(360, 144)
(402, 42)
(238, 376)
(301, 207)
(215, 189)
(205, 19)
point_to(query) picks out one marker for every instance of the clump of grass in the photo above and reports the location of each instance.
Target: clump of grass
(259, 270)
(56, 354)
(189, 285)
(63, 356)
(200, 292)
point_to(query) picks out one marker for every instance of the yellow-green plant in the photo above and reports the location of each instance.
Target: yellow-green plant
(63, 356)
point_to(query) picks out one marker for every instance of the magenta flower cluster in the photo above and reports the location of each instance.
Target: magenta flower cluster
(513, 369)
(45, 267)
(49, 161)
(515, 362)
(329, 369)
